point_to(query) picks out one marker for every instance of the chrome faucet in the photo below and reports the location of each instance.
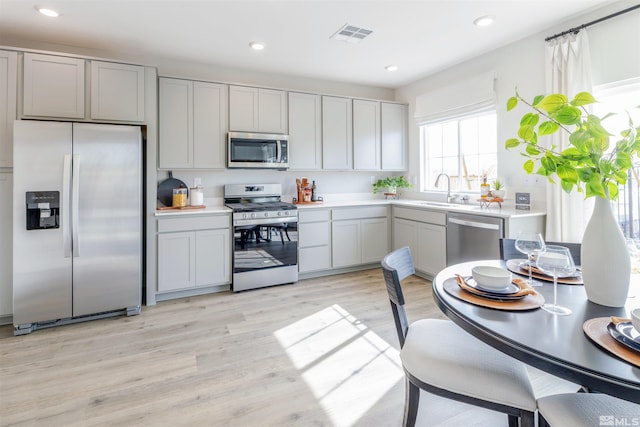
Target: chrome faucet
(448, 185)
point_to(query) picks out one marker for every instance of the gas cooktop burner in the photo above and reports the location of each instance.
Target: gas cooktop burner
(260, 206)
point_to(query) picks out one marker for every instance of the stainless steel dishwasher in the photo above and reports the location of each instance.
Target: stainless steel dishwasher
(473, 237)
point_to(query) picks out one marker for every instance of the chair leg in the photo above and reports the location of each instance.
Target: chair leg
(541, 421)
(411, 400)
(527, 419)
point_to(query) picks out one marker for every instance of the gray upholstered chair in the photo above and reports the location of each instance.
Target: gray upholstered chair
(585, 409)
(441, 358)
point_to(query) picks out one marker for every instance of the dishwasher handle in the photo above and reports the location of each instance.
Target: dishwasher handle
(474, 224)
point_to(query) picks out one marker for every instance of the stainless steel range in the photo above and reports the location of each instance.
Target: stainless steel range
(265, 234)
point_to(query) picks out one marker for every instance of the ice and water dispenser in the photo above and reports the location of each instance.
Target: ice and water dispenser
(43, 209)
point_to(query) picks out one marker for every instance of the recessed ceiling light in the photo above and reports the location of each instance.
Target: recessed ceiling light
(484, 21)
(256, 45)
(47, 12)
(391, 67)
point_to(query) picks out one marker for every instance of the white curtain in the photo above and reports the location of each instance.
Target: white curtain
(568, 71)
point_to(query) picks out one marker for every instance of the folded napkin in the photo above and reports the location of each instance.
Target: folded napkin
(525, 289)
(616, 320)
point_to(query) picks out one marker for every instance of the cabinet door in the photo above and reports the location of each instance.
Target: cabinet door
(213, 262)
(432, 248)
(243, 108)
(53, 86)
(394, 136)
(175, 134)
(346, 248)
(176, 261)
(366, 134)
(8, 91)
(305, 131)
(272, 111)
(337, 137)
(405, 233)
(117, 91)
(375, 239)
(209, 125)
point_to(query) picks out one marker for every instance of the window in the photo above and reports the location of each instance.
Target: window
(464, 148)
(620, 98)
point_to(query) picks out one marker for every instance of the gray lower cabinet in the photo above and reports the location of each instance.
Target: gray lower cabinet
(314, 240)
(193, 252)
(425, 233)
(359, 235)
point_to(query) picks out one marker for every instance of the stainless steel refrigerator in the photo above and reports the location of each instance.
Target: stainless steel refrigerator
(77, 222)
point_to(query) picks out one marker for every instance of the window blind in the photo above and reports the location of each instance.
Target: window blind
(472, 95)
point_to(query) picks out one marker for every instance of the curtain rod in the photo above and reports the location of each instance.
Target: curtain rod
(577, 29)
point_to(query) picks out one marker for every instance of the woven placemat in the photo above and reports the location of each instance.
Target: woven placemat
(513, 265)
(530, 302)
(596, 330)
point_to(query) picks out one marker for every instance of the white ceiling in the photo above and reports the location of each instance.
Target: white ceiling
(421, 37)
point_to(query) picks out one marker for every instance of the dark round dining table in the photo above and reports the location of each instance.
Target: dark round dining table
(555, 344)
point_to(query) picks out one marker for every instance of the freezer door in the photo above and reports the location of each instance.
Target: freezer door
(107, 236)
(41, 272)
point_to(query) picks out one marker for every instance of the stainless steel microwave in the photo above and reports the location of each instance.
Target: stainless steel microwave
(257, 150)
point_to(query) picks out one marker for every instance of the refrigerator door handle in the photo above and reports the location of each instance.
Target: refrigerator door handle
(66, 186)
(75, 200)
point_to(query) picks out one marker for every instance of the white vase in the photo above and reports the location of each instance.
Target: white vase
(606, 265)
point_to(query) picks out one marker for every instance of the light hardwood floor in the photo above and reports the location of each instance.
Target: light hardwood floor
(322, 352)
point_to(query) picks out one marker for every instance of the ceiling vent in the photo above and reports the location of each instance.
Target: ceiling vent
(351, 34)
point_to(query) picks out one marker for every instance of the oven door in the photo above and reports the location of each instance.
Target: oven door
(251, 150)
(265, 254)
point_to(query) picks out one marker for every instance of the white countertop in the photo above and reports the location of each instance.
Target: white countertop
(473, 209)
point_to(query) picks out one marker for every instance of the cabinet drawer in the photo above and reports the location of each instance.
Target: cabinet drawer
(431, 217)
(359, 212)
(314, 259)
(315, 215)
(314, 234)
(199, 223)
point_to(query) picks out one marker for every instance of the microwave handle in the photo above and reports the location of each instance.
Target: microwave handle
(278, 151)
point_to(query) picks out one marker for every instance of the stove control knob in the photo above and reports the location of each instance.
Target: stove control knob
(253, 215)
(266, 214)
(286, 213)
(279, 213)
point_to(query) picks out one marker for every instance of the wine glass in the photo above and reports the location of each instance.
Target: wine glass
(555, 261)
(529, 242)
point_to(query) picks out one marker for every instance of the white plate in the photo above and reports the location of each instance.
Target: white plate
(511, 289)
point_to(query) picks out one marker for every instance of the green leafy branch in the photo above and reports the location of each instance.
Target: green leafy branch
(588, 162)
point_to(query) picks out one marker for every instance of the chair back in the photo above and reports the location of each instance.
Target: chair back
(508, 250)
(396, 266)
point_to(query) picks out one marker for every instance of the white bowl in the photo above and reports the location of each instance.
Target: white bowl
(491, 277)
(635, 319)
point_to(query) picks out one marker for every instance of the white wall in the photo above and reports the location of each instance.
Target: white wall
(615, 51)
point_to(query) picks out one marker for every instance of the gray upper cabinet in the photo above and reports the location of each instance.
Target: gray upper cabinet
(337, 135)
(254, 109)
(117, 92)
(8, 93)
(394, 136)
(53, 86)
(193, 118)
(366, 135)
(305, 131)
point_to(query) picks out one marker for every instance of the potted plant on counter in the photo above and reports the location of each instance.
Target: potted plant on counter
(498, 189)
(392, 184)
(591, 165)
